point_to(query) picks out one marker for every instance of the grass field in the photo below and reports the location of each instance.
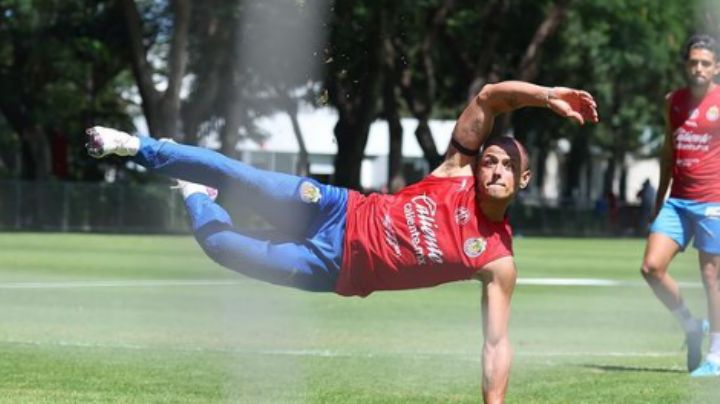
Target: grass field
(94, 318)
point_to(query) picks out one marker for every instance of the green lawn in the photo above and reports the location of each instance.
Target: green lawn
(137, 319)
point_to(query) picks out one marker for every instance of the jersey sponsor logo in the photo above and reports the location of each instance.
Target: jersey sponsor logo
(309, 193)
(712, 212)
(474, 247)
(712, 114)
(686, 140)
(686, 162)
(390, 235)
(462, 216)
(420, 219)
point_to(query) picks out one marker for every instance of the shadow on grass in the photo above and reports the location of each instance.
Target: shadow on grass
(616, 368)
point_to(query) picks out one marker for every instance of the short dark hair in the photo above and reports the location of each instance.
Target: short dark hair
(700, 41)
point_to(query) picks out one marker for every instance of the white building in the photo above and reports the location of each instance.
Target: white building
(280, 153)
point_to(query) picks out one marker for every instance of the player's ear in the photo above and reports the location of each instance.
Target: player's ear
(525, 178)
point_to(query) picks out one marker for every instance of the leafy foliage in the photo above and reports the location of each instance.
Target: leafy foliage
(66, 64)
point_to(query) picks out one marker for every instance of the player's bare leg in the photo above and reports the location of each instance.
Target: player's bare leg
(710, 270)
(659, 253)
(498, 286)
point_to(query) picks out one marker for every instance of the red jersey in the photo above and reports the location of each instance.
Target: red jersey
(696, 146)
(429, 233)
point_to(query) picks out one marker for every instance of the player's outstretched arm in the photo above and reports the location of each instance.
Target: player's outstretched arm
(476, 121)
(498, 278)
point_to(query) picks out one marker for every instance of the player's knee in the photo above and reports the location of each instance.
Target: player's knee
(710, 277)
(215, 247)
(651, 271)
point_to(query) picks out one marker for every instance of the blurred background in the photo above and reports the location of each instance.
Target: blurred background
(361, 94)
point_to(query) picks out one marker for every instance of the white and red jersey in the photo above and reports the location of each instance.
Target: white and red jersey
(696, 145)
(429, 233)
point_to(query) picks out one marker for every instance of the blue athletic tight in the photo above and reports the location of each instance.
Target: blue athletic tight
(304, 248)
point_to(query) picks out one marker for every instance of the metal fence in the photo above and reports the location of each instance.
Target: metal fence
(90, 207)
(155, 208)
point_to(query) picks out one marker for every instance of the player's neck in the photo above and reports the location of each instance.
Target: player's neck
(494, 210)
(698, 93)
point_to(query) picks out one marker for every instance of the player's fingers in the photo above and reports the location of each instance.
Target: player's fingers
(591, 115)
(587, 99)
(576, 117)
(590, 103)
(585, 94)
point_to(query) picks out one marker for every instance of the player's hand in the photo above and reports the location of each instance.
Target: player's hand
(576, 105)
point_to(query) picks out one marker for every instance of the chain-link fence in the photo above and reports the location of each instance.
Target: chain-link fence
(91, 207)
(568, 219)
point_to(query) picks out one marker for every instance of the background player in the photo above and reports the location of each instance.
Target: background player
(690, 164)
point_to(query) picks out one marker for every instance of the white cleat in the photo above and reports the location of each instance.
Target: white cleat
(188, 188)
(105, 141)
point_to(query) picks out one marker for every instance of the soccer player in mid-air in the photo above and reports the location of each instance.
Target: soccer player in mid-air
(690, 167)
(450, 226)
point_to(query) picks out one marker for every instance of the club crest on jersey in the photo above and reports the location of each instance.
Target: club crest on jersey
(474, 246)
(712, 114)
(462, 216)
(309, 193)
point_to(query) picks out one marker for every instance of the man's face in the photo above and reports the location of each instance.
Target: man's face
(701, 67)
(500, 172)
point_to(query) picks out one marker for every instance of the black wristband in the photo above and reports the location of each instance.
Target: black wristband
(462, 149)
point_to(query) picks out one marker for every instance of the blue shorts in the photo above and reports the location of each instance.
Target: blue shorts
(683, 219)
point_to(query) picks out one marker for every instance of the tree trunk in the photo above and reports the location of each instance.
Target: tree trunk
(36, 153)
(421, 102)
(576, 159)
(609, 176)
(302, 167)
(427, 144)
(161, 109)
(390, 101)
(527, 70)
(229, 132)
(395, 156)
(355, 100)
(351, 140)
(494, 14)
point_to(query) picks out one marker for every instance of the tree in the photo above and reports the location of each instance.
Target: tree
(626, 54)
(250, 59)
(58, 72)
(160, 107)
(352, 82)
